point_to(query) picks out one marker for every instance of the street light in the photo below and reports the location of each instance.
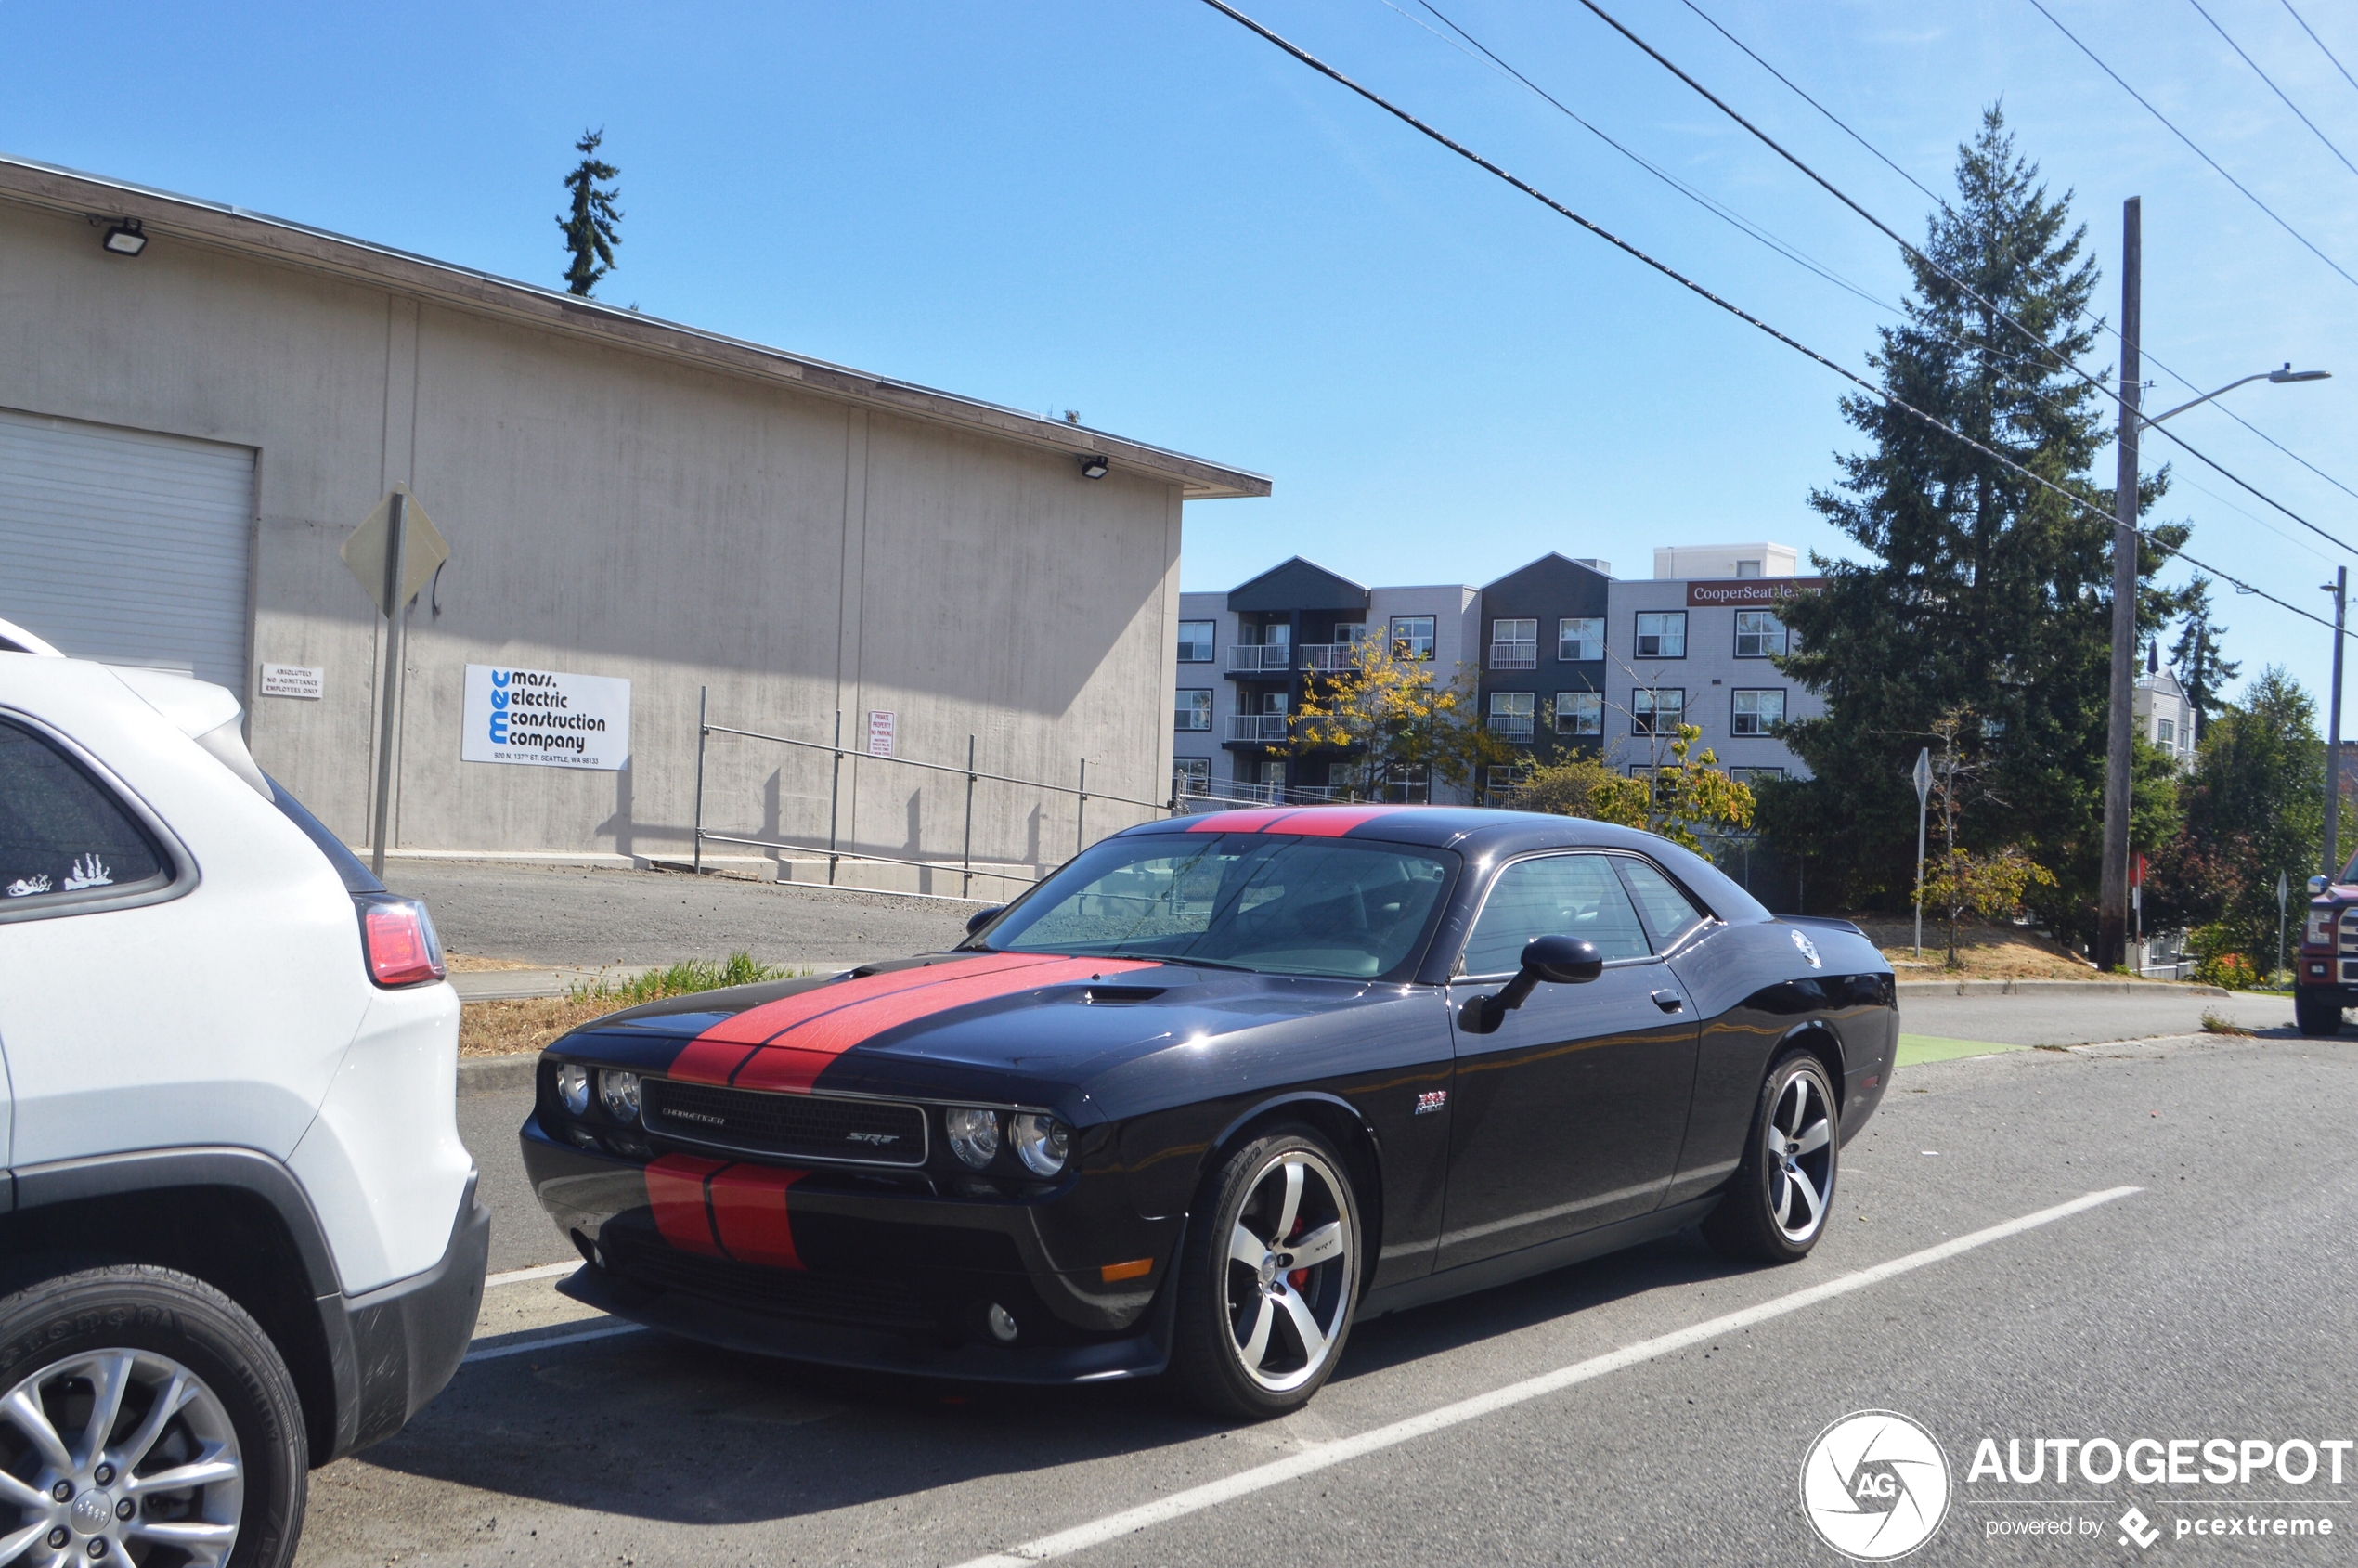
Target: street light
(2279, 377)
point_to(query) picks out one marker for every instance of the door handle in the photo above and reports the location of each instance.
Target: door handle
(1668, 1001)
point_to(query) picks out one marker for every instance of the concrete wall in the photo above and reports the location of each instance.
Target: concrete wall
(611, 513)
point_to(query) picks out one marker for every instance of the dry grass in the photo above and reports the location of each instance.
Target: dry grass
(469, 964)
(1985, 951)
(2219, 1023)
(501, 1029)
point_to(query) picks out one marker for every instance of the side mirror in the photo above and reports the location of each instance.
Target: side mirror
(982, 917)
(1556, 960)
(2316, 886)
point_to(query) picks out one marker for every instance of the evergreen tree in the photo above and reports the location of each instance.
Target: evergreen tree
(1988, 596)
(590, 227)
(2254, 806)
(2195, 655)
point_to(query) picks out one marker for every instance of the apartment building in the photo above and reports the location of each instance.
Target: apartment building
(2165, 716)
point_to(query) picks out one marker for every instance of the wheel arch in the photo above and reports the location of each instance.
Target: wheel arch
(1352, 1138)
(1815, 1037)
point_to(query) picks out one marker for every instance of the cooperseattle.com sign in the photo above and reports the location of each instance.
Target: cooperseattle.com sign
(1749, 593)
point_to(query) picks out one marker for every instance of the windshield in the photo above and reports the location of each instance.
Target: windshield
(1269, 903)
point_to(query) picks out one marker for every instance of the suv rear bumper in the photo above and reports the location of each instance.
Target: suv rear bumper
(392, 1349)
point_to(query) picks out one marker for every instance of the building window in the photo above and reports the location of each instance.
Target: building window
(1191, 776)
(1514, 644)
(1581, 639)
(1580, 713)
(1758, 713)
(1195, 642)
(1412, 636)
(1194, 710)
(1747, 568)
(2164, 732)
(1656, 710)
(1349, 634)
(1511, 713)
(1758, 634)
(1663, 635)
(1501, 780)
(1406, 784)
(1755, 775)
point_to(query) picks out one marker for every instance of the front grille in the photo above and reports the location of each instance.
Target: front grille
(792, 1126)
(773, 1292)
(2346, 927)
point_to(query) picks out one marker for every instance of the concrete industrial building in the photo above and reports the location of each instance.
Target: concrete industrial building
(1566, 657)
(199, 404)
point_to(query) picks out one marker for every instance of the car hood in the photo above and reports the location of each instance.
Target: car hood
(985, 1026)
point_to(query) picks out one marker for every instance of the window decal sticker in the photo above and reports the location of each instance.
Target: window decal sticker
(25, 884)
(88, 871)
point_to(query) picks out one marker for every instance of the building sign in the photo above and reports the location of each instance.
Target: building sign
(879, 733)
(1749, 593)
(291, 680)
(542, 716)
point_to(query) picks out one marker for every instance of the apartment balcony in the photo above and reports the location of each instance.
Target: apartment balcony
(1226, 793)
(1251, 658)
(1260, 729)
(1326, 658)
(1511, 726)
(1514, 656)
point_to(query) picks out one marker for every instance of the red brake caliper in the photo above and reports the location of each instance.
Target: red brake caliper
(1298, 1277)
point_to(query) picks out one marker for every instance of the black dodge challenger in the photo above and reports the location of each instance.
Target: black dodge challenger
(1216, 1088)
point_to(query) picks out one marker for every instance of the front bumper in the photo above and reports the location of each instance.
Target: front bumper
(392, 1350)
(876, 1274)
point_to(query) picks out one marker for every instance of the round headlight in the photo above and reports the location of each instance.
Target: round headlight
(620, 1091)
(973, 1135)
(573, 1087)
(1041, 1141)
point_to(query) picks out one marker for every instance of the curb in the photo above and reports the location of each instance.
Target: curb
(2056, 988)
(484, 1075)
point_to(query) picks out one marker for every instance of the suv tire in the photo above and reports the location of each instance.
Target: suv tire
(151, 1335)
(2313, 1013)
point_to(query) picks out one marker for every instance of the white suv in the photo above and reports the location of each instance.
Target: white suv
(239, 1233)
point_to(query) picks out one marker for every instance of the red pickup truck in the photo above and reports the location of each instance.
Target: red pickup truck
(2326, 976)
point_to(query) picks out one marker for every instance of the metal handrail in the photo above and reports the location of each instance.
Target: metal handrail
(1261, 657)
(1260, 726)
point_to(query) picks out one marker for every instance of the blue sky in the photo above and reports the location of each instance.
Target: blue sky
(1141, 212)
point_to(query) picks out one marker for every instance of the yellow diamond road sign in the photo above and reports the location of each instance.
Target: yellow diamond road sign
(423, 549)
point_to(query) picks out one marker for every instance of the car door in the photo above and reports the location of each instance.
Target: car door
(1570, 1114)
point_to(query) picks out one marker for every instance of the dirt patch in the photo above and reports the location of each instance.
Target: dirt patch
(473, 964)
(501, 1029)
(1985, 951)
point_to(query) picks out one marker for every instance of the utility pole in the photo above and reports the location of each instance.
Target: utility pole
(2112, 906)
(2333, 730)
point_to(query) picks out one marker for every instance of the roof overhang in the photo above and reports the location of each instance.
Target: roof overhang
(189, 220)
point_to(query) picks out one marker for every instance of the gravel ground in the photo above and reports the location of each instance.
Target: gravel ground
(578, 915)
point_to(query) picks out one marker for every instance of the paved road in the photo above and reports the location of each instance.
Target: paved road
(2033, 1018)
(2212, 1301)
(578, 915)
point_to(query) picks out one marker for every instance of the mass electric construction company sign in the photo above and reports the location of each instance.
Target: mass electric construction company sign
(546, 717)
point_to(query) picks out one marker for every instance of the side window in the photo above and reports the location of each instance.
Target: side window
(63, 840)
(1553, 896)
(1670, 915)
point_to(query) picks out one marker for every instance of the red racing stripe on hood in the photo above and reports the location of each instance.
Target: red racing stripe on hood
(715, 1056)
(675, 1192)
(750, 1215)
(793, 1061)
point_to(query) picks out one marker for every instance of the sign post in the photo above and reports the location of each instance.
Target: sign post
(393, 553)
(1923, 793)
(2283, 888)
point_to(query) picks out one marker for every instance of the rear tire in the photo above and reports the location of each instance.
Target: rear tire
(1268, 1279)
(1784, 1189)
(2313, 1013)
(197, 1387)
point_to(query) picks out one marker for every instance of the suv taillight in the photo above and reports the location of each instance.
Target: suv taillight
(399, 940)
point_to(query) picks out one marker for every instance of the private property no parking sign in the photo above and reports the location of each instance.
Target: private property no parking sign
(546, 717)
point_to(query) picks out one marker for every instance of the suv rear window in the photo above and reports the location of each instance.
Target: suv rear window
(357, 877)
(64, 839)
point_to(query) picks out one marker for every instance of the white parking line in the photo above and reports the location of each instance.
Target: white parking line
(1113, 1526)
(496, 1352)
(525, 1275)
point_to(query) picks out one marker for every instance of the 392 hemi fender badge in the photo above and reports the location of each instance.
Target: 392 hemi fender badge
(1432, 1099)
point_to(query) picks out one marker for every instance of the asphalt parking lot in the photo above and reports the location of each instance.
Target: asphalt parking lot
(2212, 1299)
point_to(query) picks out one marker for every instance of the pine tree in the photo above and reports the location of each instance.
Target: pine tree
(2195, 655)
(590, 227)
(1988, 596)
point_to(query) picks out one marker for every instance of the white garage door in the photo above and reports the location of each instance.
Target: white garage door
(126, 546)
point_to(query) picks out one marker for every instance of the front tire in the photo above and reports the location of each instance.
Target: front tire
(1777, 1200)
(2313, 1013)
(161, 1410)
(1269, 1279)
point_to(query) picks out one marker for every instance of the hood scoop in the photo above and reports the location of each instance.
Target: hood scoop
(1106, 994)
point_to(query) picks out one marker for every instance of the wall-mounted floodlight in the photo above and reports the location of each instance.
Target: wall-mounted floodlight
(125, 238)
(1093, 467)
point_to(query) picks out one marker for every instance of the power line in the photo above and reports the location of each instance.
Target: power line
(2272, 85)
(2038, 7)
(1306, 58)
(2321, 46)
(2061, 362)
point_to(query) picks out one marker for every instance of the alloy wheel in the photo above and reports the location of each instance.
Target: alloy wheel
(1801, 1157)
(117, 1457)
(1289, 1271)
